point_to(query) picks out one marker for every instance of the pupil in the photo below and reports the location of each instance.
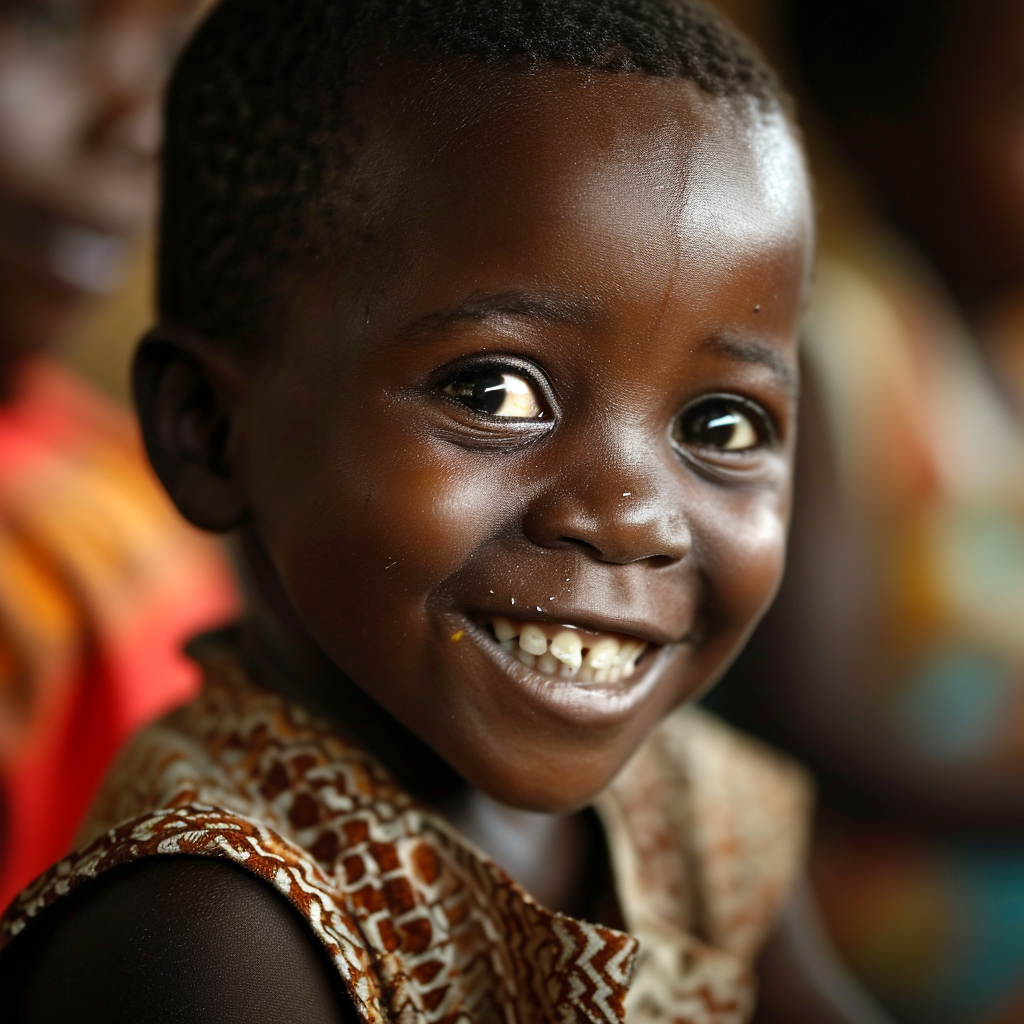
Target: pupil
(720, 429)
(487, 391)
(715, 426)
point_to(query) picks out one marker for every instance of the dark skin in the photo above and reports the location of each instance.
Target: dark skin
(575, 239)
(80, 90)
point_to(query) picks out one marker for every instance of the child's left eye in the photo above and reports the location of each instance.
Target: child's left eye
(724, 424)
(496, 392)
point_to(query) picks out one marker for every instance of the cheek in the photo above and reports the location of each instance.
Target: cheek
(749, 545)
(420, 517)
(363, 535)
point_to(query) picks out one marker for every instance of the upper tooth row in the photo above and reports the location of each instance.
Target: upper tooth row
(597, 658)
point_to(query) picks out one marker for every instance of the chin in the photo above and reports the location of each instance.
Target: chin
(558, 783)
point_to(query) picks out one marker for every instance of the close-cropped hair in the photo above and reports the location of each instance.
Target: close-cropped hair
(260, 134)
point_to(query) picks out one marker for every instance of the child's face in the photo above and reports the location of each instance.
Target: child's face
(558, 389)
(80, 85)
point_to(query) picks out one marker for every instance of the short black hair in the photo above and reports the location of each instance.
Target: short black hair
(866, 59)
(258, 134)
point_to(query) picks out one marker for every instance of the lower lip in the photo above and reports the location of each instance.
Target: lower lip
(580, 704)
(69, 253)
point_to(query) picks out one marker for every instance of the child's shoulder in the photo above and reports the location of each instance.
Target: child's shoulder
(705, 830)
(168, 938)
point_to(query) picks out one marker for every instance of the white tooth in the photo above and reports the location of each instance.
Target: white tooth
(567, 647)
(585, 675)
(603, 675)
(615, 674)
(625, 653)
(603, 654)
(504, 630)
(548, 664)
(532, 639)
(509, 645)
(526, 658)
(634, 656)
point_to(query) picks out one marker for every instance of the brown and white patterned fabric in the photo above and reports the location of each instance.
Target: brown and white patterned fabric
(706, 833)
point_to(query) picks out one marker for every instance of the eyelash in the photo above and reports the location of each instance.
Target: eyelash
(449, 376)
(761, 420)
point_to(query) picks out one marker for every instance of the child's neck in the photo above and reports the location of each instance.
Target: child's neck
(546, 853)
(553, 856)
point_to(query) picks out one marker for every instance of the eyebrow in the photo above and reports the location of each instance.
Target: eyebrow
(482, 306)
(560, 310)
(760, 353)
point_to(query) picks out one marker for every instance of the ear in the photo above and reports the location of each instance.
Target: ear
(187, 394)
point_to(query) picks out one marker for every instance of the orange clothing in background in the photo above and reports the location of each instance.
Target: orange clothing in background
(100, 583)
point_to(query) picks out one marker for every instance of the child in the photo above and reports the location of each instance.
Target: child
(100, 582)
(479, 326)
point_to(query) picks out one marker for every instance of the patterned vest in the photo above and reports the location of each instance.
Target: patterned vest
(706, 832)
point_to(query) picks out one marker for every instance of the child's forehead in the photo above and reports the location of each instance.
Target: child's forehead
(473, 135)
(636, 200)
(460, 108)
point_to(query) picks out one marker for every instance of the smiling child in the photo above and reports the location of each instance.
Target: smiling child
(479, 327)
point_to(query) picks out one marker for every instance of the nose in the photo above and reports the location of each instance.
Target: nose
(622, 506)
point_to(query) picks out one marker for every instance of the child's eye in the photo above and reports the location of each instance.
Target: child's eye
(496, 392)
(724, 425)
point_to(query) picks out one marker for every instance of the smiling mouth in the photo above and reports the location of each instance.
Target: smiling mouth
(568, 652)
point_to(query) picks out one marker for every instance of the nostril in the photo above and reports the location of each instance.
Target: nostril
(617, 554)
(632, 523)
(661, 561)
(578, 542)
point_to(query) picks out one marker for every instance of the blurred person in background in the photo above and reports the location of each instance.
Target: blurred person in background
(893, 662)
(99, 579)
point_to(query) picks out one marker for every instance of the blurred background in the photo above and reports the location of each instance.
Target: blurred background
(893, 661)
(102, 352)
(100, 579)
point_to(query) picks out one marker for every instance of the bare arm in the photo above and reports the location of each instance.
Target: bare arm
(170, 941)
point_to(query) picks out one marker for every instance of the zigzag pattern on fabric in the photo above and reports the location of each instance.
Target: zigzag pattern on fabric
(420, 925)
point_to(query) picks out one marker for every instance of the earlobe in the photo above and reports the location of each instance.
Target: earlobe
(186, 393)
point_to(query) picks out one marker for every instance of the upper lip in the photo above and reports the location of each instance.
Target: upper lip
(590, 621)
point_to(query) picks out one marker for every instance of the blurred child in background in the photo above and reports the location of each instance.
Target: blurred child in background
(99, 579)
(894, 660)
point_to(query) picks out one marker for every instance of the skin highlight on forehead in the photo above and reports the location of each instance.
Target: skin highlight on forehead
(706, 170)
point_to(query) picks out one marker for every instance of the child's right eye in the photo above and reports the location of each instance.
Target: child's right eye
(492, 391)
